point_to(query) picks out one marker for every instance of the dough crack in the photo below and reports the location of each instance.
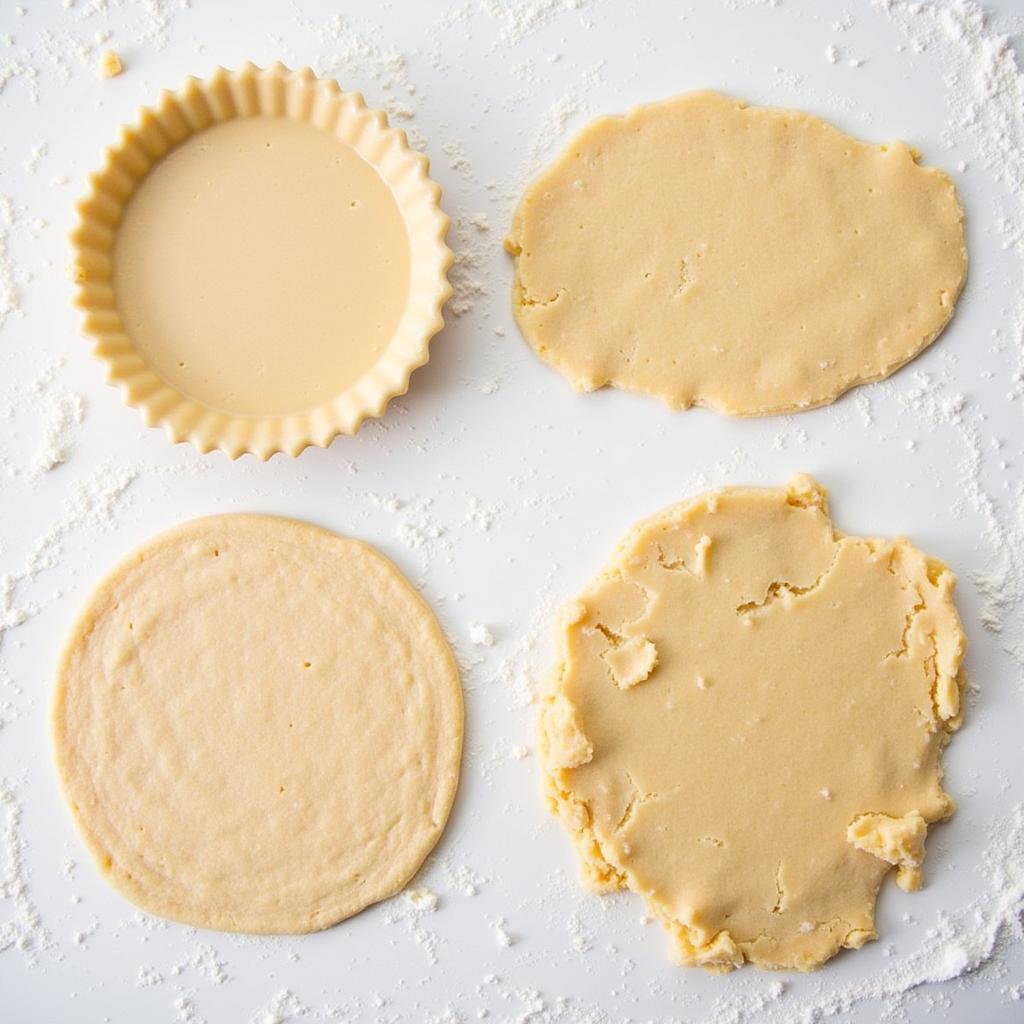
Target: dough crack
(932, 674)
(525, 299)
(685, 281)
(698, 570)
(908, 626)
(781, 588)
(645, 276)
(749, 872)
(627, 814)
(613, 638)
(633, 804)
(780, 892)
(637, 798)
(673, 564)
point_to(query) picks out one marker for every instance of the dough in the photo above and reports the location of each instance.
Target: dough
(260, 261)
(747, 259)
(262, 267)
(258, 726)
(746, 724)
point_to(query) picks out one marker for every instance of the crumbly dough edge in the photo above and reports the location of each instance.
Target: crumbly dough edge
(598, 871)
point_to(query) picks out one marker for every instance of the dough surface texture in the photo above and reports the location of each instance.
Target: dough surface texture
(744, 258)
(258, 726)
(260, 261)
(262, 266)
(782, 751)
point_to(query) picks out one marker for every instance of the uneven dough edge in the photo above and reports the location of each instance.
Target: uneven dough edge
(103, 595)
(522, 309)
(720, 951)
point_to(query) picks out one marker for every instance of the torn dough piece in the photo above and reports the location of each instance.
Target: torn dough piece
(110, 64)
(758, 813)
(898, 841)
(631, 661)
(748, 259)
(258, 726)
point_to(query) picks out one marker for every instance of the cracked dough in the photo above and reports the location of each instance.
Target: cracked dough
(258, 725)
(782, 751)
(743, 258)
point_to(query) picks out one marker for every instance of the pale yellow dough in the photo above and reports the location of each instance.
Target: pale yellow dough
(746, 723)
(747, 259)
(258, 725)
(262, 266)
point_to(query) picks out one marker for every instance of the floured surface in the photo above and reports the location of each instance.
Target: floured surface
(258, 725)
(499, 492)
(755, 784)
(747, 259)
(262, 267)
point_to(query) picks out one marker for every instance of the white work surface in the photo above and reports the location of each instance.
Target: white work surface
(501, 491)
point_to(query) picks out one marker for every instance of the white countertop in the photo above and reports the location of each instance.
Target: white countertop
(502, 492)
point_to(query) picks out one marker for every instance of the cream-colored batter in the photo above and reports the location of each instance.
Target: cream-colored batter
(262, 267)
(746, 723)
(258, 725)
(751, 260)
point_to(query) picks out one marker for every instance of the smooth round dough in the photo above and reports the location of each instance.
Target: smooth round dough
(253, 231)
(748, 259)
(258, 725)
(746, 724)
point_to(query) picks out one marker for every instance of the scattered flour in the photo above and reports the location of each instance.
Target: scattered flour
(501, 933)
(461, 877)
(148, 977)
(206, 961)
(480, 635)
(410, 908)
(958, 945)
(551, 130)
(985, 90)
(354, 55)
(471, 252)
(64, 411)
(21, 926)
(422, 898)
(284, 1007)
(60, 414)
(417, 528)
(89, 508)
(521, 18)
(73, 50)
(986, 108)
(520, 670)
(10, 289)
(479, 515)
(185, 1009)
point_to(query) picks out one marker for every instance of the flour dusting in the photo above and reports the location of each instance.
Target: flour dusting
(21, 926)
(549, 73)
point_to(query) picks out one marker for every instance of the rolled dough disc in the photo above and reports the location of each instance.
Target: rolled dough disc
(746, 724)
(747, 259)
(258, 725)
